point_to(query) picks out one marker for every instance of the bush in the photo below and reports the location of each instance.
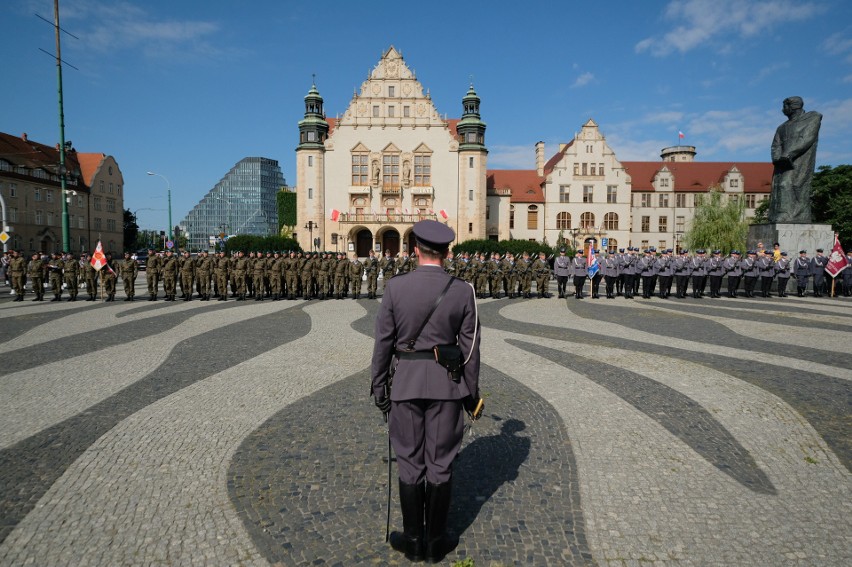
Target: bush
(252, 243)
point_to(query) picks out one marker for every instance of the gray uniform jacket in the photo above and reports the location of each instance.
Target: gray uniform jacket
(732, 267)
(405, 305)
(562, 266)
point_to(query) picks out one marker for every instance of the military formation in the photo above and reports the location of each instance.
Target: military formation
(331, 275)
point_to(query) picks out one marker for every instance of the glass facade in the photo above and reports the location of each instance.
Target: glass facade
(243, 202)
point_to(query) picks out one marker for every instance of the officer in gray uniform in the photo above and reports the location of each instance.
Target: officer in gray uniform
(682, 272)
(783, 271)
(766, 265)
(802, 271)
(426, 402)
(732, 268)
(715, 272)
(628, 269)
(818, 264)
(562, 270)
(665, 270)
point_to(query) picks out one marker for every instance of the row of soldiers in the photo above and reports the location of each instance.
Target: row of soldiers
(756, 272)
(65, 272)
(497, 276)
(274, 275)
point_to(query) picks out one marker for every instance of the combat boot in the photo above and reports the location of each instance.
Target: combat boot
(410, 540)
(437, 509)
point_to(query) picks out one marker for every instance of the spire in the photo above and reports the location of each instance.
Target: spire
(313, 129)
(471, 128)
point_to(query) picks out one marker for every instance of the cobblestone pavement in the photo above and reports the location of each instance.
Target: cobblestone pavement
(644, 432)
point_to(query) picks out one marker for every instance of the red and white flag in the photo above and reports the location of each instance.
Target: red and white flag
(335, 214)
(837, 261)
(443, 213)
(680, 135)
(98, 260)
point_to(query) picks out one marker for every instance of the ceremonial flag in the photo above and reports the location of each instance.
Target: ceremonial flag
(592, 263)
(680, 135)
(443, 213)
(837, 260)
(98, 260)
(335, 214)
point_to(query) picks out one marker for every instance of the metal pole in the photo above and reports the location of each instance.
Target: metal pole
(66, 232)
(169, 192)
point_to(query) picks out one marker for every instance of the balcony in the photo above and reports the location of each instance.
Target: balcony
(370, 218)
(391, 190)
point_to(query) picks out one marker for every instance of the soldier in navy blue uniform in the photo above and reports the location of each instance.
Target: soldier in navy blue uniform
(426, 402)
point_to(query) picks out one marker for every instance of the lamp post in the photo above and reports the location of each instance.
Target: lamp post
(310, 226)
(169, 192)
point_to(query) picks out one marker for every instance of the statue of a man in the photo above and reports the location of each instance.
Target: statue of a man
(794, 156)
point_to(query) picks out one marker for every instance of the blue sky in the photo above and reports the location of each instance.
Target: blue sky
(189, 88)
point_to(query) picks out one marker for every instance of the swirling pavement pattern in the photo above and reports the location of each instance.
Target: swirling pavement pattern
(616, 433)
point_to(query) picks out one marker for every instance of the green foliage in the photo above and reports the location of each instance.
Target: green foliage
(516, 247)
(131, 230)
(831, 201)
(286, 201)
(761, 213)
(719, 223)
(466, 562)
(252, 243)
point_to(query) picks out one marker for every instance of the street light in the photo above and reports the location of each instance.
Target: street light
(310, 226)
(169, 191)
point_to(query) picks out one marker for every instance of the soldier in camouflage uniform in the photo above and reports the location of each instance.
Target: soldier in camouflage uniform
(306, 267)
(241, 268)
(340, 271)
(258, 273)
(129, 269)
(71, 272)
(170, 270)
(35, 273)
(541, 271)
(153, 266)
(187, 276)
(387, 266)
(371, 265)
(17, 270)
(356, 271)
(203, 272)
(54, 271)
(108, 274)
(525, 275)
(510, 275)
(221, 270)
(496, 277)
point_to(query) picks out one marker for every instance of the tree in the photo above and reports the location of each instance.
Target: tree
(831, 201)
(761, 213)
(717, 224)
(286, 201)
(131, 230)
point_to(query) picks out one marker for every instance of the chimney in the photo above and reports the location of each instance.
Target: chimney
(539, 158)
(24, 136)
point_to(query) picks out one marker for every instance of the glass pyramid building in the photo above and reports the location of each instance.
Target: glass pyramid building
(243, 202)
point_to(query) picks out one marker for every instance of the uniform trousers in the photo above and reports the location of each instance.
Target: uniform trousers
(71, 283)
(426, 436)
(579, 282)
(733, 284)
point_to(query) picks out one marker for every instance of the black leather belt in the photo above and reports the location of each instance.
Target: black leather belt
(415, 354)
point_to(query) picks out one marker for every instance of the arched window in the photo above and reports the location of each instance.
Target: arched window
(532, 217)
(612, 246)
(611, 221)
(587, 220)
(563, 221)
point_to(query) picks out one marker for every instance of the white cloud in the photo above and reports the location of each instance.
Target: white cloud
(583, 80)
(699, 22)
(513, 157)
(109, 27)
(767, 72)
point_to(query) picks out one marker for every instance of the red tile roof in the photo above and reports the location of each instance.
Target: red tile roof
(33, 155)
(699, 176)
(89, 166)
(332, 122)
(525, 184)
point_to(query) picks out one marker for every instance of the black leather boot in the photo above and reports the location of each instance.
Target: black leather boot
(437, 510)
(410, 540)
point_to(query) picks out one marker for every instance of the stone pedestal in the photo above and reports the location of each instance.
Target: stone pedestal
(792, 237)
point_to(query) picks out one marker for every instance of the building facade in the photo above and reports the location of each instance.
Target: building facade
(243, 202)
(31, 189)
(364, 178)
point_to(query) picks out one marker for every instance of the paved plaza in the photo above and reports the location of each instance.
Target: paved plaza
(616, 433)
